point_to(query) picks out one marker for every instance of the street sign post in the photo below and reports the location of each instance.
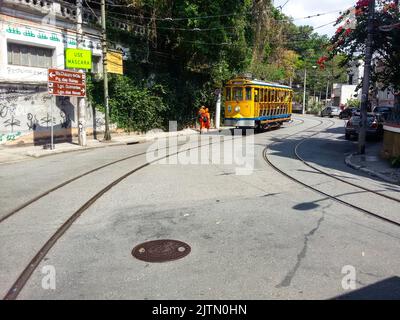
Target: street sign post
(64, 83)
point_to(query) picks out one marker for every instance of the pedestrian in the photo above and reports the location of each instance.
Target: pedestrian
(202, 118)
(208, 122)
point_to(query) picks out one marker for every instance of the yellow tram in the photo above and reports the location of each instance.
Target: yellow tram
(256, 104)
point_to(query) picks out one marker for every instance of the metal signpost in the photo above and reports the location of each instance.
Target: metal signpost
(64, 83)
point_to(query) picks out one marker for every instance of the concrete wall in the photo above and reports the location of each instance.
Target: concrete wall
(391, 142)
(26, 115)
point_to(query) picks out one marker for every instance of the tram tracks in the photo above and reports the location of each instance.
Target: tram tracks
(69, 181)
(25, 275)
(297, 154)
(319, 191)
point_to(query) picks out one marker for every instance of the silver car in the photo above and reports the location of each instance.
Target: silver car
(330, 112)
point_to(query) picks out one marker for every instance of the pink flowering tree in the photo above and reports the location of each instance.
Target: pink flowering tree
(350, 39)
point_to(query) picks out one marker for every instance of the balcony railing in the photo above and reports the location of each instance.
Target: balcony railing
(61, 9)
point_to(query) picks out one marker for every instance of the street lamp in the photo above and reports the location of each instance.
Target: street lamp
(305, 87)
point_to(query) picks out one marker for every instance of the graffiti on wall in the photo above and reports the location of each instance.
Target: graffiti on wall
(66, 120)
(32, 121)
(26, 109)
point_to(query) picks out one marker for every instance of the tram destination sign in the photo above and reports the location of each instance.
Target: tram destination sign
(66, 83)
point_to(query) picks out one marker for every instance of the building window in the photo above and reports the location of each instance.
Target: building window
(29, 56)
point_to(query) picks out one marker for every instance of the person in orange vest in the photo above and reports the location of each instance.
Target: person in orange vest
(202, 117)
(207, 124)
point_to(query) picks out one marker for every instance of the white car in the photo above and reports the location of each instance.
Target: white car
(330, 112)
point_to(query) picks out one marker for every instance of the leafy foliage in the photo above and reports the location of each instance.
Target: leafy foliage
(131, 107)
(353, 103)
(188, 49)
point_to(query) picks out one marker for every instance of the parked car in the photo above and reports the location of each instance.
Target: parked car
(348, 113)
(297, 107)
(330, 112)
(374, 126)
(384, 111)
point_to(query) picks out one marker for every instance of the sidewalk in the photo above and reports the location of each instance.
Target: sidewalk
(10, 154)
(373, 164)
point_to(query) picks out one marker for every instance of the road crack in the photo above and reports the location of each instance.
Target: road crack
(289, 276)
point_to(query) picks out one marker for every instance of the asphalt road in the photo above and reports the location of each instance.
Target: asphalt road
(254, 233)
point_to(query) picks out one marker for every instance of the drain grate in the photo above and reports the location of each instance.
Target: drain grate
(161, 250)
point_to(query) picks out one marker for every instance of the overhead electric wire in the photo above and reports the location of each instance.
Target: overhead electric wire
(209, 16)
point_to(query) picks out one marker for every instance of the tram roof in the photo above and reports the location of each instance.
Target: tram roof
(269, 84)
(258, 83)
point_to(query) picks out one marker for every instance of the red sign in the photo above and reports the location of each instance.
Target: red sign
(66, 83)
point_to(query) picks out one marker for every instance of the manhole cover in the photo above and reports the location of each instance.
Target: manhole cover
(161, 250)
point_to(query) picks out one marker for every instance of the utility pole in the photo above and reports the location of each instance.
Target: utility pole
(107, 136)
(397, 94)
(304, 92)
(366, 79)
(327, 91)
(81, 101)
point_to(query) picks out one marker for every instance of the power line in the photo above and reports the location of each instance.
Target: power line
(318, 15)
(208, 16)
(324, 25)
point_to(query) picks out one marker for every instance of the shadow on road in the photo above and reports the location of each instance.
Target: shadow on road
(323, 150)
(388, 289)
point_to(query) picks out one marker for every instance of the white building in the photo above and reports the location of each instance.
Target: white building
(33, 37)
(341, 93)
(380, 97)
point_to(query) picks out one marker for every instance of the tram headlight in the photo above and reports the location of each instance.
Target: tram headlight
(237, 109)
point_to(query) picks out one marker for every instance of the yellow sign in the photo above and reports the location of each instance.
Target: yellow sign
(114, 62)
(78, 59)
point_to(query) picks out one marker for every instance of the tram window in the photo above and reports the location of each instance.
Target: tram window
(256, 94)
(266, 95)
(287, 96)
(228, 94)
(269, 95)
(248, 93)
(261, 95)
(272, 95)
(282, 96)
(237, 94)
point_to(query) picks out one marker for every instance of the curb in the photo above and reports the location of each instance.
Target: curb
(370, 172)
(102, 145)
(54, 152)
